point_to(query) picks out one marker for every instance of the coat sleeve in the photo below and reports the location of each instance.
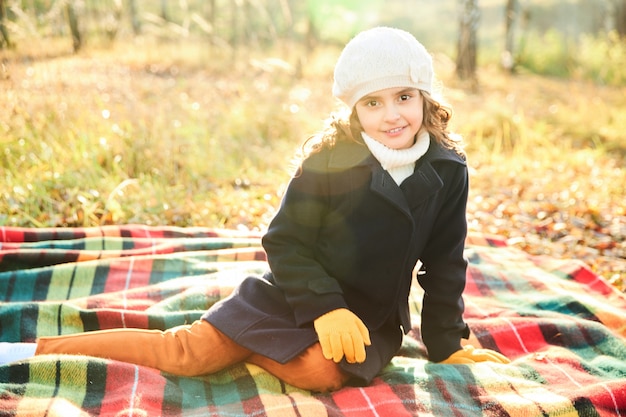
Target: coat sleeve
(444, 281)
(290, 244)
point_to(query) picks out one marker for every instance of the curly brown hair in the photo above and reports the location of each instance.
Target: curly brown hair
(343, 125)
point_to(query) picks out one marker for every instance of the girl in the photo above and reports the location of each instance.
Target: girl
(380, 191)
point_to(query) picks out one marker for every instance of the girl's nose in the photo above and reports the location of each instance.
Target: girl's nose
(392, 113)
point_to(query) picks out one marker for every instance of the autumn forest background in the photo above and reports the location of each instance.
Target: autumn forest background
(189, 112)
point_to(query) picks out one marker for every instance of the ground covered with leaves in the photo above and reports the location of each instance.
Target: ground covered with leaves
(547, 158)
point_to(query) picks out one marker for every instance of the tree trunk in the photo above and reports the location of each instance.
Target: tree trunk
(212, 14)
(4, 33)
(249, 34)
(235, 6)
(311, 38)
(507, 60)
(73, 22)
(134, 19)
(467, 47)
(164, 15)
(620, 17)
(287, 17)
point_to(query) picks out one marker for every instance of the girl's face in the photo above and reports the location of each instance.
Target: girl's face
(392, 116)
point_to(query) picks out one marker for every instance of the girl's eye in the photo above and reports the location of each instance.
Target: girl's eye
(405, 97)
(371, 103)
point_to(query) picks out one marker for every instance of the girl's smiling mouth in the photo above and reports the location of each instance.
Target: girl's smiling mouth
(395, 130)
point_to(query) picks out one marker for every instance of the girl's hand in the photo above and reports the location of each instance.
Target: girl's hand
(469, 355)
(342, 333)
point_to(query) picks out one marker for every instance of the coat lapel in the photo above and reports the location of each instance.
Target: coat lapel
(416, 189)
(425, 181)
(383, 185)
(349, 155)
(421, 185)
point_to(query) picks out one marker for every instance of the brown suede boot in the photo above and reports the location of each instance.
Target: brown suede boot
(190, 350)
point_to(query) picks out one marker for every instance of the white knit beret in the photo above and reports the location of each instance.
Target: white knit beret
(380, 58)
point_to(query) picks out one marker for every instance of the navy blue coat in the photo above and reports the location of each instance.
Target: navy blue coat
(346, 235)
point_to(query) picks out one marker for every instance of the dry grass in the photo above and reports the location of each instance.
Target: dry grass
(175, 134)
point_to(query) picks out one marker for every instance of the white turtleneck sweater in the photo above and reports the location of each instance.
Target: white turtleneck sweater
(400, 163)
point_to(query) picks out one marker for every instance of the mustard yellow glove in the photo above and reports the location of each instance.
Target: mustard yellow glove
(342, 333)
(469, 355)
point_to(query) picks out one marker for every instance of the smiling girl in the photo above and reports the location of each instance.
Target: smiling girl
(378, 192)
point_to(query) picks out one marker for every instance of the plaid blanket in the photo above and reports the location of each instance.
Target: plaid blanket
(563, 327)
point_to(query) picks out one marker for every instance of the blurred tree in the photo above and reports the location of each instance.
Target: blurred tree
(287, 14)
(111, 18)
(234, 27)
(248, 17)
(312, 34)
(620, 17)
(4, 33)
(507, 60)
(467, 46)
(72, 19)
(212, 14)
(134, 19)
(164, 14)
